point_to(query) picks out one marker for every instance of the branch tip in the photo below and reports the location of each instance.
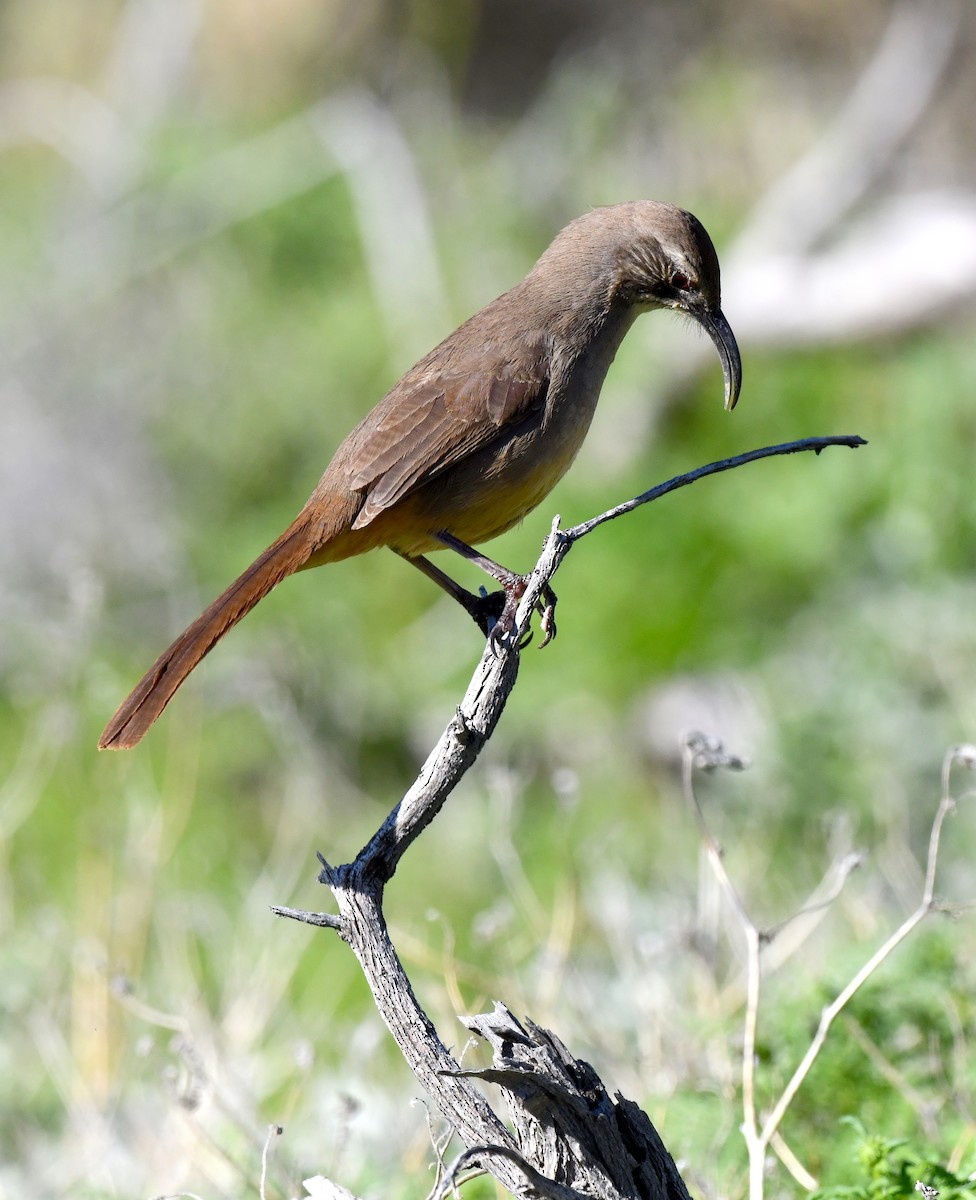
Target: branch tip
(322, 920)
(816, 444)
(965, 755)
(708, 753)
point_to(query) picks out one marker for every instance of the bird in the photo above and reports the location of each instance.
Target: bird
(480, 430)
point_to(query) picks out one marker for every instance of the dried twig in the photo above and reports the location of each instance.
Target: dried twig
(816, 444)
(538, 1184)
(701, 753)
(274, 1131)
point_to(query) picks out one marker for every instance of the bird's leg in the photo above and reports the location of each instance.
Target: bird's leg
(484, 610)
(513, 586)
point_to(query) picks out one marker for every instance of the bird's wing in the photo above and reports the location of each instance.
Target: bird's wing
(430, 421)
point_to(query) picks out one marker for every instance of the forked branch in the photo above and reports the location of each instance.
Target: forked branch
(569, 1132)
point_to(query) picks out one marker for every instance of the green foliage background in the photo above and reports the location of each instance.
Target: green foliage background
(193, 317)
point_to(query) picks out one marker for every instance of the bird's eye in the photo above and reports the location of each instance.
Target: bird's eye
(680, 281)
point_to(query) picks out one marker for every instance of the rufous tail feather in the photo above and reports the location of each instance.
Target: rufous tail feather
(160, 683)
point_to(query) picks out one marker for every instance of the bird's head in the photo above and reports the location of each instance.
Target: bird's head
(651, 255)
(667, 260)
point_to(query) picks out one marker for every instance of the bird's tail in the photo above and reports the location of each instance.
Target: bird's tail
(158, 686)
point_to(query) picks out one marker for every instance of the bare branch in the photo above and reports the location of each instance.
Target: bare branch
(706, 754)
(792, 1163)
(565, 1121)
(456, 751)
(816, 444)
(703, 753)
(539, 1185)
(569, 1133)
(323, 920)
(493, 680)
(274, 1131)
(965, 755)
(824, 895)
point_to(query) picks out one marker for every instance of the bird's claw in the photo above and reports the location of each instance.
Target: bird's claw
(548, 620)
(503, 626)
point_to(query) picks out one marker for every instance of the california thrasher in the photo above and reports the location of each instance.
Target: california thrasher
(478, 432)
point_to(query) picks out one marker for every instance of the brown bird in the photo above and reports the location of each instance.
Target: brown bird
(477, 433)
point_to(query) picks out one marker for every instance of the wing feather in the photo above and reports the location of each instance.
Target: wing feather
(429, 422)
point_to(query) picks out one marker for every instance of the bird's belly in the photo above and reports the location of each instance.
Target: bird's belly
(485, 495)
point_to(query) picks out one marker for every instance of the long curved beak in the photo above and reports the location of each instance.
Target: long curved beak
(719, 330)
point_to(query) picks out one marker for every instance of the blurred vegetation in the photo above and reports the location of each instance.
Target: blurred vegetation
(225, 229)
(890, 1167)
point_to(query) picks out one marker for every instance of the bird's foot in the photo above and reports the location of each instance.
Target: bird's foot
(487, 609)
(548, 616)
(494, 613)
(497, 610)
